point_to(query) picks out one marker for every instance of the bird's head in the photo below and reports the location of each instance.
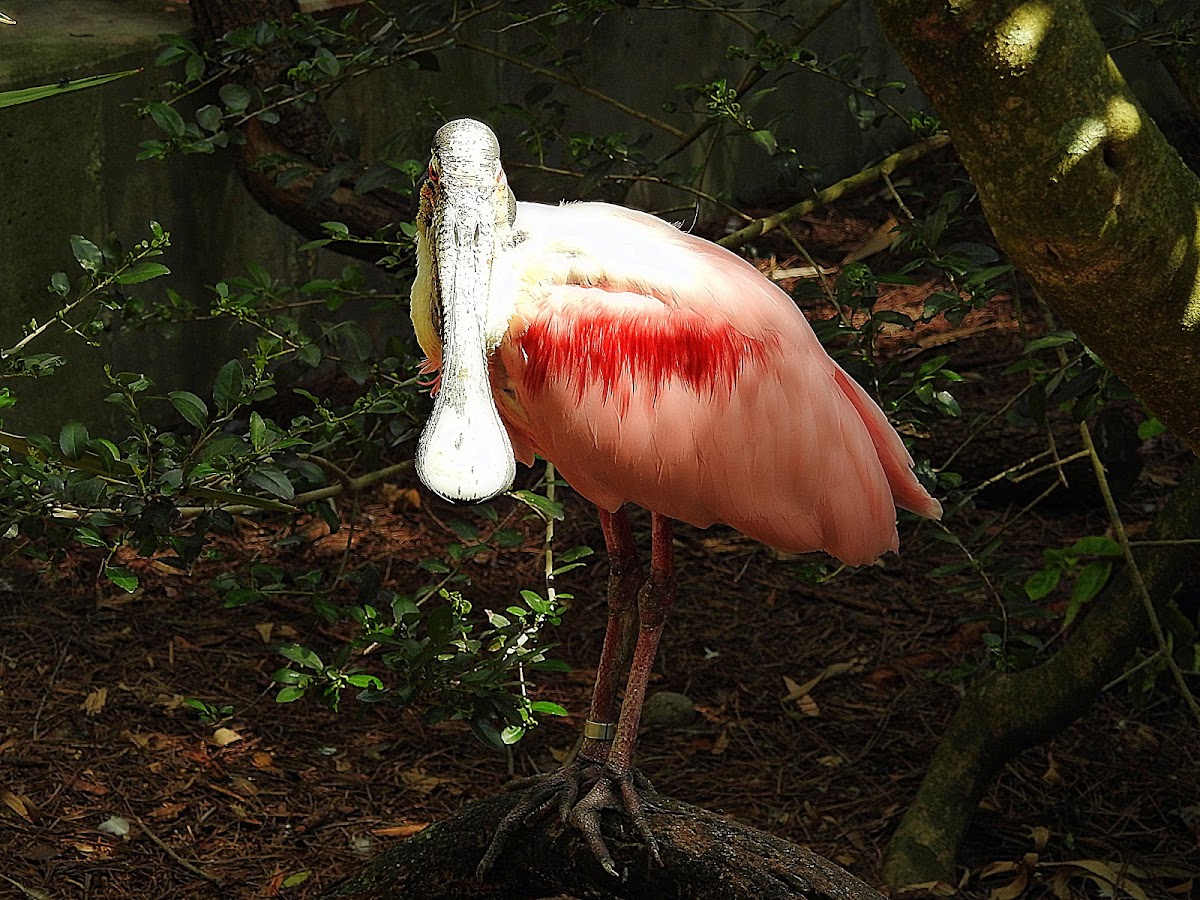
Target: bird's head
(465, 219)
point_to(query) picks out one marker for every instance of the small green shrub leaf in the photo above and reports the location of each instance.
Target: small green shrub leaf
(1039, 584)
(122, 578)
(191, 407)
(72, 439)
(142, 271)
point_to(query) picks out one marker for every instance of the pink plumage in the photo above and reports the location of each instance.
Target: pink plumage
(656, 368)
(651, 367)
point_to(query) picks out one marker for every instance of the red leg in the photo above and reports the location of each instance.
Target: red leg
(563, 787)
(624, 577)
(654, 602)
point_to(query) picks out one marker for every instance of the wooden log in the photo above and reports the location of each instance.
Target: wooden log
(705, 857)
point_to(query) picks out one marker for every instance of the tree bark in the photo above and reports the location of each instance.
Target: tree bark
(302, 137)
(705, 857)
(1006, 713)
(1079, 185)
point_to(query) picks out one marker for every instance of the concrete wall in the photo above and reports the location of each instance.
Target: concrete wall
(68, 163)
(68, 168)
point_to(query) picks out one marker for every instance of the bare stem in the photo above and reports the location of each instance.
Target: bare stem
(866, 177)
(575, 84)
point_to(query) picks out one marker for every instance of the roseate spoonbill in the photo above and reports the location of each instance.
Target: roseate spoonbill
(651, 367)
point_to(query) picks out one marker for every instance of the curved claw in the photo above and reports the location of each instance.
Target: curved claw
(541, 791)
(586, 814)
(608, 790)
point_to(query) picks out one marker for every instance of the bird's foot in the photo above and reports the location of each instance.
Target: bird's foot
(615, 790)
(561, 789)
(540, 792)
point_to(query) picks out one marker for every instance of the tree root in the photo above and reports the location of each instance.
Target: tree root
(1004, 714)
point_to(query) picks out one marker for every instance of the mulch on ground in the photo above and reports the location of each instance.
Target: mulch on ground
(814, 709)
(113, 787)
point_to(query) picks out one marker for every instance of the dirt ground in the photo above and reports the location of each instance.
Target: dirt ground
(815, 709)
(95, 737)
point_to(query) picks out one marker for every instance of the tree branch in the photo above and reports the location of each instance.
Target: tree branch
(854, 182)
(1004, 714)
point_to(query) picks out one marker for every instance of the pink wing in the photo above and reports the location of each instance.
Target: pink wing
(699, 392)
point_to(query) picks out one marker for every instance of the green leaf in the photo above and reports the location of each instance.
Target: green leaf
(301, 656)
(1090, 582)
(142, 271)
(122, 578)
(547, 708)
(327, 62)
(209, 117)
(87, 253)
(512, 733)
(766, 140)
(89, 538)
(487, 733)
(290, 693)
(108, 452)
(1095, 545)
(1150, 428)
(242, 596)
(546, 508)
(272, 481)
(1039, 584)
(894, 318)
(193, 69)
(169, 56)
(508, 537)
(466, 531)
(535, 602)
(60, 284)
(574, 554)
(1046, 341)
(167, 118)
(258, 431)
(945, 401)
(30, 94)
(227, 389)
(296, 878)
(363, 680)
(72, 440)
(235, 97)
(191, 407)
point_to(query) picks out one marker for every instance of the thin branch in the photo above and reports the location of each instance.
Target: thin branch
(855, 182)
(752, 76)
(1136, 573)
(649, 179)
(573, 83)
(195, 870)
(31, 893)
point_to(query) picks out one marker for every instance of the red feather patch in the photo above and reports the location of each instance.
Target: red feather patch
(626, 351)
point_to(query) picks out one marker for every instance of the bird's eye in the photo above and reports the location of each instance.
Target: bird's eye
(432, 174)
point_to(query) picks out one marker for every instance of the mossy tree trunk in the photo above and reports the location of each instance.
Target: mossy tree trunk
(1079, 185)
(1005, 713)
(1096, 208)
